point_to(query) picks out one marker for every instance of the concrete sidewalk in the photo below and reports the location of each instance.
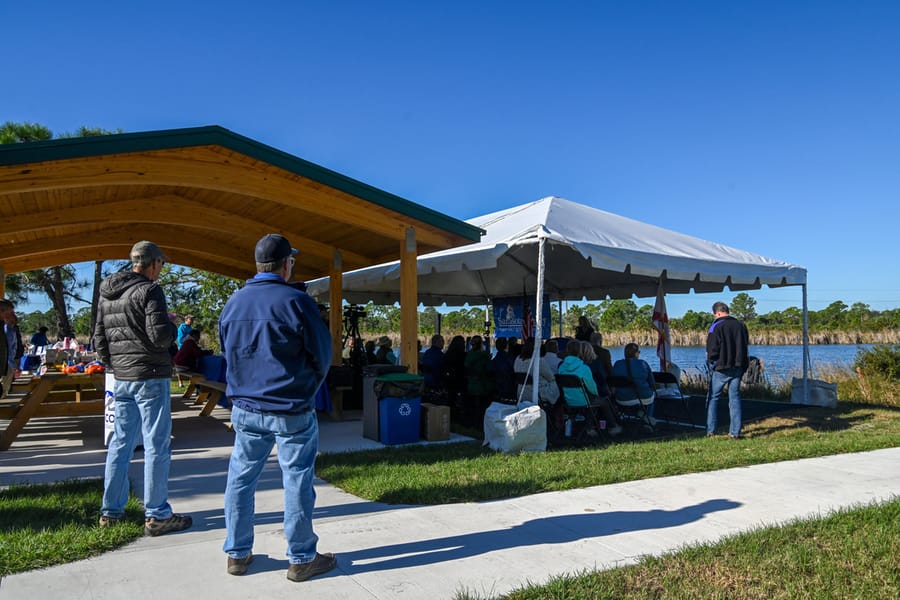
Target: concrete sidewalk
(388, 551)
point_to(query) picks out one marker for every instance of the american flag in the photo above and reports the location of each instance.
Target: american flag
(527, 321)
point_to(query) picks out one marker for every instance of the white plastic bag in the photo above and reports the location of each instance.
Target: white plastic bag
(821, 393)
(508, 429)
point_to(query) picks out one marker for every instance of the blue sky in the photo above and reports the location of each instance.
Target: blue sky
(768, 126)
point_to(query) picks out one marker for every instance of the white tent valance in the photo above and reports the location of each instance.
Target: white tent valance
(589, 253)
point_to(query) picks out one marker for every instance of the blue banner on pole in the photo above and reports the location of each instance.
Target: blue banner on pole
(514, 316)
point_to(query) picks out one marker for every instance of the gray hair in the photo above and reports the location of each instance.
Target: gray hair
(270, 267)
(586, 352)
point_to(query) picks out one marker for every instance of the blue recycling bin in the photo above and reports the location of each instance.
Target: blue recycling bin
(399, 420)
(399, 407)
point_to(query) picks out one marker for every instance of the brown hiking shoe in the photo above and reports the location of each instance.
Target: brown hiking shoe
(238, 566)
(107, 521)
(322, 563)
(155, 527)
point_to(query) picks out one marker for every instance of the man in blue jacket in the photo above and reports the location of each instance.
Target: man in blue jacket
(277, 351)
(726, 353)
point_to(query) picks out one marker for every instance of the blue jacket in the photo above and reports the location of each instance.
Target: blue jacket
(433, 360)
(277, 348)
(183, 331)
(641, 375)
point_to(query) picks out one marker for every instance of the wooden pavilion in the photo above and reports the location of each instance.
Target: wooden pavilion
(206, 195)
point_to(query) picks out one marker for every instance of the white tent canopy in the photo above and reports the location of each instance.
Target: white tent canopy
(589, 254)
(569, 251)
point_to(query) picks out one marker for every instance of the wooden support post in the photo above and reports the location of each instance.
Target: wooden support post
(335, 298)
(409, 301)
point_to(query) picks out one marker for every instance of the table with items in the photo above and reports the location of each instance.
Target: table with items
(52, 394)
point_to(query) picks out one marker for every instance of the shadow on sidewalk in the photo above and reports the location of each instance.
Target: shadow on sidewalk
(550, 530)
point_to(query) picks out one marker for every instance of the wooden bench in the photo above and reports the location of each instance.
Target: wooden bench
(208, 394)
(52, 395)
(193, 378)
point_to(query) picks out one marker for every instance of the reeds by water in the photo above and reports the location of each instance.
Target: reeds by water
(758, 337)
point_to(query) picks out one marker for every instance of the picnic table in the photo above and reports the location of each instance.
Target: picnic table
(52, 395)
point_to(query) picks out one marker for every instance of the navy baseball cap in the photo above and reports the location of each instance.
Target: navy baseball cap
(273, 247)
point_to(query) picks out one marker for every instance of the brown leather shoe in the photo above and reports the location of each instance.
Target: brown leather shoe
(238, 566)
(322, 563)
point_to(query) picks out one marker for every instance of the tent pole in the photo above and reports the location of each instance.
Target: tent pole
(560, 308)
(806, 362)
(539, 321)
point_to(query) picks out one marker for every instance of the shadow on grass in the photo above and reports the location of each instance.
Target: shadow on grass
(846, 416)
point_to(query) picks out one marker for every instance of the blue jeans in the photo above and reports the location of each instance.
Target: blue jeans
(297, 437)
(731, 378)
(142, 408)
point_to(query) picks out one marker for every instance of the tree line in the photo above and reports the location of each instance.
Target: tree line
(203, 294)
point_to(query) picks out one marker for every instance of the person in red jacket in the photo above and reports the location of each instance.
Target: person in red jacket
(188, 357)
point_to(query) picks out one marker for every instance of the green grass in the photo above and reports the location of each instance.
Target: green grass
(850, 554)
(468, 472)
(44, 525)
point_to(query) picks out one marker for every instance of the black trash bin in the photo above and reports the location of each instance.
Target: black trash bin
(399, 407)
(370, 400)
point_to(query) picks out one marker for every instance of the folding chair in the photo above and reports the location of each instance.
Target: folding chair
(521, 380)
(668, 388)
(631, 407)
(575, 400)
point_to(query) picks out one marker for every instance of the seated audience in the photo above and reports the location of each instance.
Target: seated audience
(578, 356)
(369, 347)
(550, 355)
(602, 353)
(640, 373)
(454, 375)
(513, 347)
(548, 391)
(432, 362)
(384, 355)
(478, 382)
(501, 368)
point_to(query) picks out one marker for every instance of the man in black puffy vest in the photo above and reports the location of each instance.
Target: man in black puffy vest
(132, 337)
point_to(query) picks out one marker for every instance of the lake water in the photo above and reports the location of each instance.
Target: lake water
(780, 362)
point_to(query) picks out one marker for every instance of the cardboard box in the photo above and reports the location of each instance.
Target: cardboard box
(435, 422)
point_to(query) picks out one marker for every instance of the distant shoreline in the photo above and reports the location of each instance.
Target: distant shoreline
(759, 338)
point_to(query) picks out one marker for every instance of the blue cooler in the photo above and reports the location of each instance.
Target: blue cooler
(399, 420)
